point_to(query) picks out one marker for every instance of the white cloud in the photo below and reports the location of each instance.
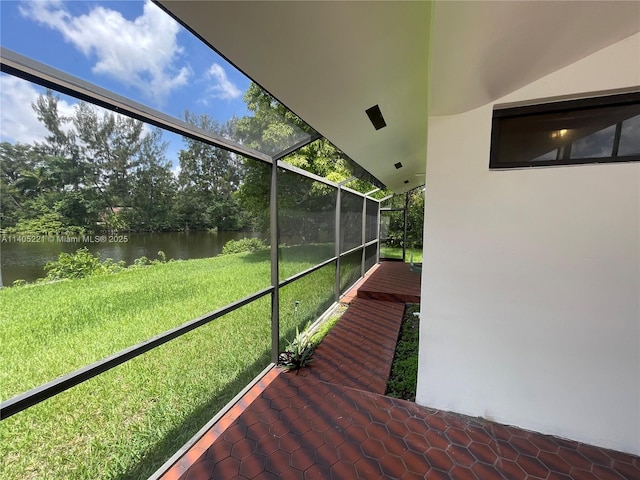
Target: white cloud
(18, 120)
(223, 88)
(140, 53)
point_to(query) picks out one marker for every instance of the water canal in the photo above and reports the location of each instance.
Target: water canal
(24, 256)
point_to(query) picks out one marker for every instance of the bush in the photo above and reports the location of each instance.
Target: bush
(83, 263)
(142, 261)
(74, 265)
(145, 261)
(79, 265)
(45, 224)
(244, 245)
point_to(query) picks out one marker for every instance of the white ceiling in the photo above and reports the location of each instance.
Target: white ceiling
(330, 61)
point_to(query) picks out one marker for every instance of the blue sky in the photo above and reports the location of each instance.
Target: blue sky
(129, 47)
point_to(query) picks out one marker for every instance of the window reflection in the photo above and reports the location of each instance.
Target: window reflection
(630, 137)
(595, 145)
(552, 155)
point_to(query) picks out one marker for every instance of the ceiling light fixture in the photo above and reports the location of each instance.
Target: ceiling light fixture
(559, 133)
(375, 115)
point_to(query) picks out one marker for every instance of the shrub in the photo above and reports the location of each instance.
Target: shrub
(74, 265)
(298, 352)
(142, 261)
(110, 266)
(80, 264)
(46, 224)
(243, 245)
(145, 261)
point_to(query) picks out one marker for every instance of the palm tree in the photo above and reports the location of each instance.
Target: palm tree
(34, 182)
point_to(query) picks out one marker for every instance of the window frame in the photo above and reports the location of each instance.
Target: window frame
(595, 103)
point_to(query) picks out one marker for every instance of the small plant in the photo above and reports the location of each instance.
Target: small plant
(145, 261)
(109, 266)
(243, 245)
(298, 352)
(74, 265)
(142, 261)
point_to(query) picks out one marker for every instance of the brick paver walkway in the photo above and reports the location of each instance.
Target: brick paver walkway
(332, 421)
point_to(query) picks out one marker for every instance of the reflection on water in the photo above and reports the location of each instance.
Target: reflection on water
(25, 257)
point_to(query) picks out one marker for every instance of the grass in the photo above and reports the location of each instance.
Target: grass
(396, 253)
(403, 380)
(125, 423)
(327, 325)
(349, 270)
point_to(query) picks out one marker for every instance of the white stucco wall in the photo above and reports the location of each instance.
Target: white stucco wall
(531, 281)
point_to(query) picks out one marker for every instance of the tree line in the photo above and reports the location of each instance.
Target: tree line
(98, 170)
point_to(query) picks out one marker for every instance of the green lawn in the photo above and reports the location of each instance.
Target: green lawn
(396, 253)
(125, 423)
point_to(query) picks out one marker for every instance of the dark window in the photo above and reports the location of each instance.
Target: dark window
(594, 130)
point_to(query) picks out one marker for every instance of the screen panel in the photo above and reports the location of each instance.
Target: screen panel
(350, 269)
(350, 221)
(306, 216)
(372, 220)
(304, 300)
(116, 222)
(136, 416)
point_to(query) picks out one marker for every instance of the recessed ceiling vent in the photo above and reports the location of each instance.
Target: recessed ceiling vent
(398, 165)
(375, 115)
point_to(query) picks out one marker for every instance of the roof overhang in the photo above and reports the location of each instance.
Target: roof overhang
(331, 61)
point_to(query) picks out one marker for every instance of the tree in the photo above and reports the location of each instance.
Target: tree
(209, 177)
(14, 160)
(273, 128)
(31, 189)
(153, 187)
(110, 143)
(35, 182)
(63, 156)
(70, 198)
(415, 218)
(90, 163)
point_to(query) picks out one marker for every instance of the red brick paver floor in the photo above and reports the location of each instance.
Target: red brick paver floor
(359, 349)
(300, 428)
(331, 421)
(391, 282)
